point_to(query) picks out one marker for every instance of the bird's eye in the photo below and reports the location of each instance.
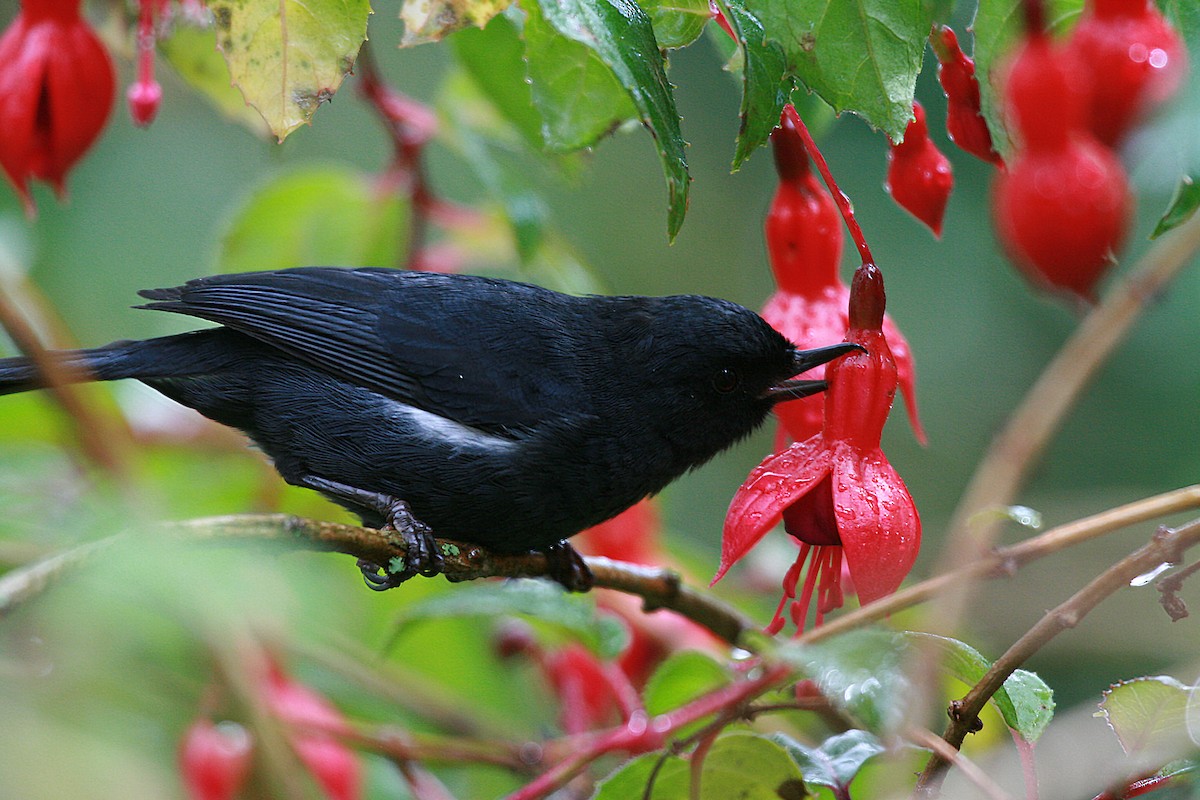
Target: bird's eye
(726, 380)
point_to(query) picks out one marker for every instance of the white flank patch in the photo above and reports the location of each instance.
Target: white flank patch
(435, 428)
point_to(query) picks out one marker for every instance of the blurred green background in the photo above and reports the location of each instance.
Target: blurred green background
(149, 207)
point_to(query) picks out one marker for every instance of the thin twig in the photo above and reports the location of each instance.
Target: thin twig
(1166, 546)
(924, 737)
(1018, 446)
(100, 437)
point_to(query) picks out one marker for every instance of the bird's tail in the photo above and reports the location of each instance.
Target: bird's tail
(165, 357)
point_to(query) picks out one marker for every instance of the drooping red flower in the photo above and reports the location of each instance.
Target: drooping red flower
(1135, 58)
(1063, 206)
(334, 765)
(919, 177)
(214, 760)
(56, 90)
(634, 536)
(836, 492)
(965, 124)
(145, 93)
(804, 244)
(591, 693)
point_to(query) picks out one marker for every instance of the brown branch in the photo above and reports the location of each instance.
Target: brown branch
(100, 437)
(1166, 546)
(658, 588)
(923, 737)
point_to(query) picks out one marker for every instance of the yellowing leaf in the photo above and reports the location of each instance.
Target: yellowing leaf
(289, 56)
(431, 20)
(193, 53)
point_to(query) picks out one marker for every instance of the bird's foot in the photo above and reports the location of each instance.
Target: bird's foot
(566, 566)
(421, 554)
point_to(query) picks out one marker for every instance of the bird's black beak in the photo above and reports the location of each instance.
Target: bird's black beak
(804, 361)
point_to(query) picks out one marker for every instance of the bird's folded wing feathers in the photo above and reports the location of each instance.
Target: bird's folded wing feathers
(415, 337)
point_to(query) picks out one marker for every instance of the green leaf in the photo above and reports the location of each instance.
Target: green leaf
(1181, 208)
(494, 57)
(1184, 15)
(575, 92)
(1148, 714)
(749, 766)
(541, 601)
(1025, 701)
(429, 20)
(472, 130)
(861, 56)
(620, 35)
(319, 215)
(289, 56)
(997, 26)
(668, 775)
(765, 84)
(861, 672)
(681, 678)
(836, 761)
(676, 22)
(193, 53)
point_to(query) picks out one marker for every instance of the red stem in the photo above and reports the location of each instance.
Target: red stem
(839, 196)
(410, 126)
(642, 735)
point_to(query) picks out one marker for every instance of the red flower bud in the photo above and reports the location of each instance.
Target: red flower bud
(57, 88)
(919, 177)
(588, 696)
(145, 95)
(335, 767)
(214, 759)
(1063, 206)
(635, 535)
(1045, 94)
(964, 121)
(1136, 60)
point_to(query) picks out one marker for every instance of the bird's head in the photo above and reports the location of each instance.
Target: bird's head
(714, 370)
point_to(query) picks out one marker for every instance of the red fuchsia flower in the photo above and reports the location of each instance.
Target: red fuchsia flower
(1135, 58)
(634, 536)
(965, 124)
(919, 177)
(1063, 206)
(56, 89)
(836, 492)
(591, 693)
(334, 765)
(804, 244)
(214, 760)
(145, 93)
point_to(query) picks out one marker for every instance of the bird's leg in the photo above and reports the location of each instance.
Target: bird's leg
(565, 565)
(421, 554)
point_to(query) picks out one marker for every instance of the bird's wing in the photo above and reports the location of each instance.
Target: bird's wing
(479, 351)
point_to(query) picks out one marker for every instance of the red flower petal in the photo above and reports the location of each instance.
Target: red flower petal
(771, 487)
(877, 521)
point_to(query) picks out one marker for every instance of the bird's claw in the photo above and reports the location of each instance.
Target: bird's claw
(421, 553)
(378, 578)
(565, 565)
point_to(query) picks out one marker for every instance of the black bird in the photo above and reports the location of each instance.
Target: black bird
(487, 411)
